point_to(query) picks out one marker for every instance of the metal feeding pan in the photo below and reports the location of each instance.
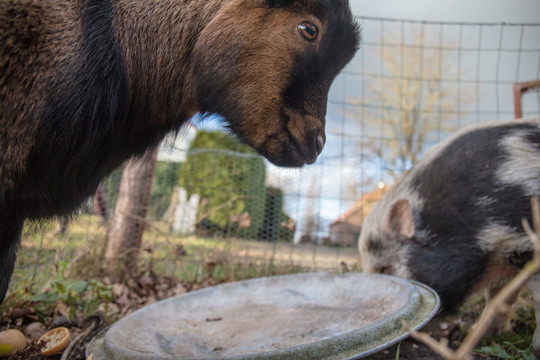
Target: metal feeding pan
(302, 316)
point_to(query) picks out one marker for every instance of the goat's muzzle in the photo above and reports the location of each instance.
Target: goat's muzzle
(300, 143)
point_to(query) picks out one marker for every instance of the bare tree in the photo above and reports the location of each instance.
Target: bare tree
(129, 218)
(417, 99)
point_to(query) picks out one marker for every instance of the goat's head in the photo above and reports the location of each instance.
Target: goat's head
(266, 66)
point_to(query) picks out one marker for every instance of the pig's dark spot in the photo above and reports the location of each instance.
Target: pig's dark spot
(451, 270)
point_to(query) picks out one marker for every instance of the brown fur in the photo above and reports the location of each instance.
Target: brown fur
(87, 84)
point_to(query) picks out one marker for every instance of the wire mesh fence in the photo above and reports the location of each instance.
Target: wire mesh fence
(218, 209)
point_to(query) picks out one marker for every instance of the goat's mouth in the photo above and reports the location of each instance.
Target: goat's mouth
(287, 150)
(308, 149)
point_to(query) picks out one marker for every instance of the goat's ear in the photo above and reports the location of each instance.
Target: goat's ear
(269, 3)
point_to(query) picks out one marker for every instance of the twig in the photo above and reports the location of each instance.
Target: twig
(66, 354)
(97, 322)
(440, 347)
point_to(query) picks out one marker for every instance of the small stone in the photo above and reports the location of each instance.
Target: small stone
(34, 330)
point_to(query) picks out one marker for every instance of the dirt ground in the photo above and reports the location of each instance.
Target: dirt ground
(411, 349)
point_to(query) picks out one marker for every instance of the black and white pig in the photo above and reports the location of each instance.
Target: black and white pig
(453, 221)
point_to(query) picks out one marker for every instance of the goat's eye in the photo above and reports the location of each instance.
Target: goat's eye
(308, 31)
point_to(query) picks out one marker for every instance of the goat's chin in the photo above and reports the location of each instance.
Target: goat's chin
(285, 152)
(287, 160)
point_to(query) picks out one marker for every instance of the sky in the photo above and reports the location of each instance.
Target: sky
(509, 11)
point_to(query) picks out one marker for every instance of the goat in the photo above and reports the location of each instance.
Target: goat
(87, 84)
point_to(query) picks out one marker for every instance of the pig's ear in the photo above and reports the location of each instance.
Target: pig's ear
(399, 219)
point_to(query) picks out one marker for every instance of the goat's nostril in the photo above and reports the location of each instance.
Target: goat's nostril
(319, 143)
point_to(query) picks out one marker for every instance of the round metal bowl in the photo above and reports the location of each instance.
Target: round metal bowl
(302, 316)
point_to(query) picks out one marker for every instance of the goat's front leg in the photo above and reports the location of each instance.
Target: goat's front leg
(10, 233)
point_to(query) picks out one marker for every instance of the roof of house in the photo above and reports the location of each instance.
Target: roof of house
(361, 207)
